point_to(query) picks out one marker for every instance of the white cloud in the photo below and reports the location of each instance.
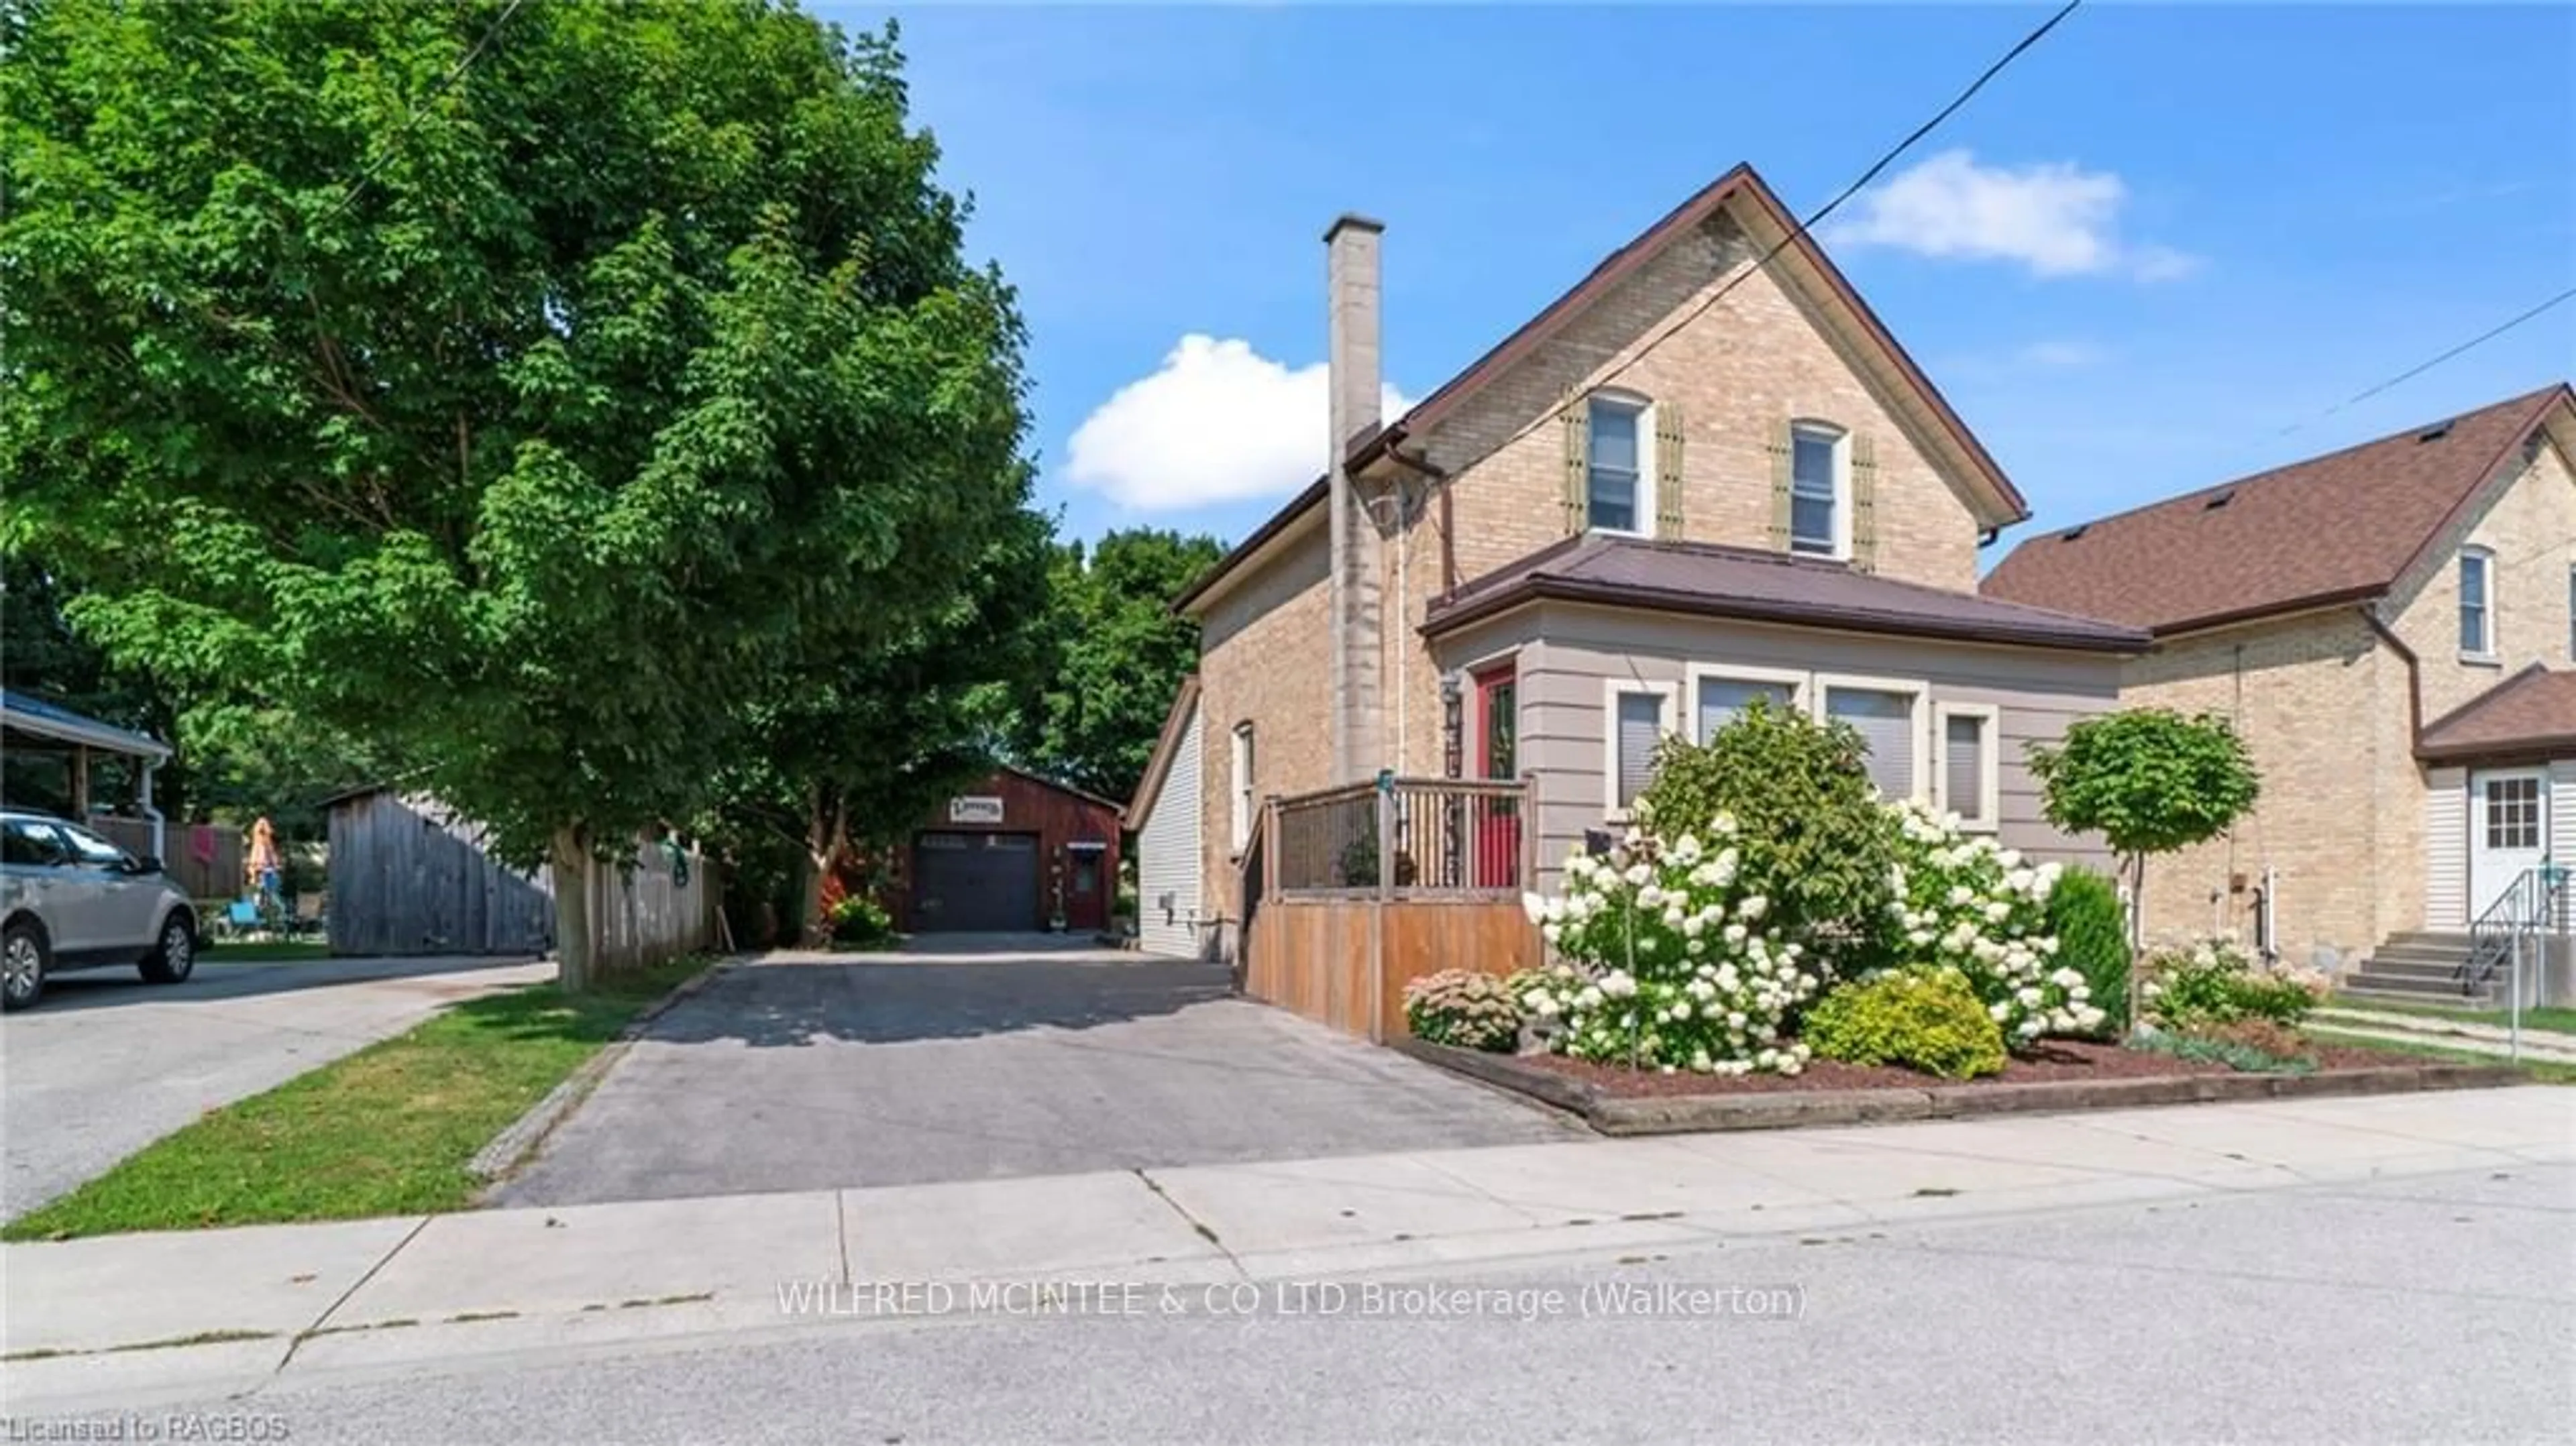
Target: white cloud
(1217, 422)
(2062, 354)
(2055, 217)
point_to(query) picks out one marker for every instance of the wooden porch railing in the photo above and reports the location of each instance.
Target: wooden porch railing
(1367, 887)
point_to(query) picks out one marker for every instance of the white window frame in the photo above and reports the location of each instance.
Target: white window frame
(1839, 438)
(1241, 763)
(2484, 557)
(1918, 725)
(1794, 679)
(2571, 613)
(1987, 816)
(1643, 409)
(1614, 808)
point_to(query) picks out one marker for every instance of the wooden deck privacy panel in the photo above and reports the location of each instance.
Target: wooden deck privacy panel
(1311, 956)
(1344, 925)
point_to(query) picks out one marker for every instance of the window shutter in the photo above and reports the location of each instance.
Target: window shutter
(1864, 502)
(1781, 448)
(1577, 422)
(1668, 470)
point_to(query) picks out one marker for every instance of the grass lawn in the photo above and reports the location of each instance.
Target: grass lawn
(2556, 1021)
(386, 1131)
(263, 951)
(2541, 1071)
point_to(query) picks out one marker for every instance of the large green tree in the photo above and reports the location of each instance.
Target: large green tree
(1120, 654)
(513, 385)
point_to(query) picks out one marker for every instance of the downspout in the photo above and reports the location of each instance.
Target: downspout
(1405, 517)
(2414, 697)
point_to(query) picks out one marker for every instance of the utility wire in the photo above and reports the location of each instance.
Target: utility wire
(2420, 368)
(1821, 212)
(464, 63)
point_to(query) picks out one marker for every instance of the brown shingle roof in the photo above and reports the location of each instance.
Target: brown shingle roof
(2337, 528)
(2532, 713)
(1735, 582)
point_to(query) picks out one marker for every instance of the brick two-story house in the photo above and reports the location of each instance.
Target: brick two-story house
(2390, 627)
(1706, 473)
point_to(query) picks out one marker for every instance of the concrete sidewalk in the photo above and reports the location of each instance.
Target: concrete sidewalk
(133, 1320)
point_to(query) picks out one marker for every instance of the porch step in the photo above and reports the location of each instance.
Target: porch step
(2412, 966)
(2452, 939)
(2414, 991)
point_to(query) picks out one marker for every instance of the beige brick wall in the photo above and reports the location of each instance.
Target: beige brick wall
(1266, 658)
(2307, 694)
(1758, 358)
(2530, 527)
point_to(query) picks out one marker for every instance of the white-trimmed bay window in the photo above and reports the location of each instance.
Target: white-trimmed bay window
(1819, 490)
(1967, 775)
(1720, 691)
(1890, 717)
(1635, 717)
(2477, 602)
(1619, 481)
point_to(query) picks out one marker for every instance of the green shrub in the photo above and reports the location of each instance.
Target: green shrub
(859, 922)
(2214, 982)
(1463, 1008)
(2093, 939)
(2234, 1046)
(1812, 836)
(1925, 1019)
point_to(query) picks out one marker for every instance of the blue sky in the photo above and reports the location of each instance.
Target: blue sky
(2160, 239)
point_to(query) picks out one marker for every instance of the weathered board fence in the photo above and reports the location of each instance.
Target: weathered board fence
(1364, 889)
(203, 858)
(411, 876)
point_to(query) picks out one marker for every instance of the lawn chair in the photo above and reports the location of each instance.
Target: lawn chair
(241, 917)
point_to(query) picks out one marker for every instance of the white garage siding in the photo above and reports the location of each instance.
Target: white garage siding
(1167, 855)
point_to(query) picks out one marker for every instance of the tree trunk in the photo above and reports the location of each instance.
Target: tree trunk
(2135, 867)
(570, 857)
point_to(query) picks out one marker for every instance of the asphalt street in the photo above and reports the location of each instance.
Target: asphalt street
(2423, 1308)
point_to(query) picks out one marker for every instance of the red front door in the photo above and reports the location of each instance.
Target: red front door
(1497, 821)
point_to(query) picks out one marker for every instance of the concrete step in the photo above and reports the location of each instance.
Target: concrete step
(2409, 968)
(2438, 938)
(2414, 992)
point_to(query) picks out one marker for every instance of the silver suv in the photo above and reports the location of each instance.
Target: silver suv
(73, 900)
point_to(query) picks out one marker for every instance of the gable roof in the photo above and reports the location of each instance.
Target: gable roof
(1711, 580)
(1742, 183)
(2531, 713)
(1159, 766)
(1057, 784)
(2344, 527)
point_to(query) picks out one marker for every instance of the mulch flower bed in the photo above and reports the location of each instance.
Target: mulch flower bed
(2056, 1059)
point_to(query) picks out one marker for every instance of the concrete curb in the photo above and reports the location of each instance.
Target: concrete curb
(1798, 1109)
(520, 1139)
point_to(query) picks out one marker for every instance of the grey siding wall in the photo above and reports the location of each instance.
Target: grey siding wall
(1168, 855)
(1570, 651)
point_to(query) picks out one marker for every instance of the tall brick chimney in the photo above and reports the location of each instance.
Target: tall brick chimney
(1351, 283)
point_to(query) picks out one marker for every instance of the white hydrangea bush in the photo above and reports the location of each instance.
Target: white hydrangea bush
(1663, 961)
(1961, 901)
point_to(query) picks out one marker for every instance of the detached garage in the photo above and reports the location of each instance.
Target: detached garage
(1013, 853)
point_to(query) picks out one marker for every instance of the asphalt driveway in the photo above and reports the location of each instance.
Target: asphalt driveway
(975, 1059)
(108, 1064)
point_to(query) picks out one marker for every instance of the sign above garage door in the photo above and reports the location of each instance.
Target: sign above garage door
(975, 808)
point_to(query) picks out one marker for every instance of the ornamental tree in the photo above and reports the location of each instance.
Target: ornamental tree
(2149, 781)
(511, 388)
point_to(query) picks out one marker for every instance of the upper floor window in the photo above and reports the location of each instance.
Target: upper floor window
(2571, 612)
(1816, 473)
(2477, 601)
(1619, 487)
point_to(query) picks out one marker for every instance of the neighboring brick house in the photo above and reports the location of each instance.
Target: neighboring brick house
(2391, 628)
(1693, 479)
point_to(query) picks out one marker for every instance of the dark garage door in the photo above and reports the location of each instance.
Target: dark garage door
(974, 881)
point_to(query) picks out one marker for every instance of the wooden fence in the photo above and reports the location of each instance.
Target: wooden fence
(203, 858)
(1364, 889)
(411, 876)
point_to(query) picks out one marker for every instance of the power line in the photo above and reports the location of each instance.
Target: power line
(1801, 228)
(2419, 369)
(464, 63)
